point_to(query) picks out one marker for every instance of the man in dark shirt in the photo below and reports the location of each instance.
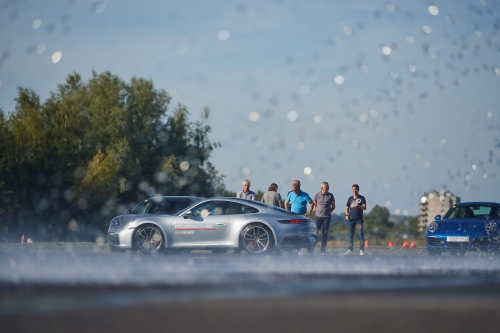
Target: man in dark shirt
(324, 202)
(356, 204)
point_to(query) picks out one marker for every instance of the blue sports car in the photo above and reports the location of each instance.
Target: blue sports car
(466, 226)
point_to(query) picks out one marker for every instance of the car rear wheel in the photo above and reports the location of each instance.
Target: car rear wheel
(149, 239)
(433, 252)
(256, 239)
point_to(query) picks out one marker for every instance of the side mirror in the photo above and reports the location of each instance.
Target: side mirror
(437, 217)
(187, 214)
(128, 211)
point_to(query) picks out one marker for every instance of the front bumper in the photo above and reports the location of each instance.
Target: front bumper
(121, 238)
(475, 242)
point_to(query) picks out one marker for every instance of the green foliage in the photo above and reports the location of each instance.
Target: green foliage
(259, 195)
(94, 147)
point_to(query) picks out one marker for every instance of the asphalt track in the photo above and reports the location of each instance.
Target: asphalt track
(84, 288)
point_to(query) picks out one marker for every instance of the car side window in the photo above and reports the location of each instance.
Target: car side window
(236, 208)
(211, 208)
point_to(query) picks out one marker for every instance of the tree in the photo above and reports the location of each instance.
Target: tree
(93, 147)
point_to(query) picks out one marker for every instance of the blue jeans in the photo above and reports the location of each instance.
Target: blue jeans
(352, 226)
(323, 223)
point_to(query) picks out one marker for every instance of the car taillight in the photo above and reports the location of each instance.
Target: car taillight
(293, 221)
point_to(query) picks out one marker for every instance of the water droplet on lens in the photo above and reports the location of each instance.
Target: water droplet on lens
(254, 116)
(433, 10)
(339, 79)
(36, 24)
(245, 171)
(427, 29)
(223, 35)
(292, 115)
(56, 57)
(386, 50)
(99, 7)
(307, 170)
(40, 48)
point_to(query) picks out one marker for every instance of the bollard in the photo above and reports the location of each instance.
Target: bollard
(366, 244)
(22, 239)
(390, 244)
(405, 245)
(413, 245)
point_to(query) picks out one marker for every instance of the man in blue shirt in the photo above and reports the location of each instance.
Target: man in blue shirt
(299, 200)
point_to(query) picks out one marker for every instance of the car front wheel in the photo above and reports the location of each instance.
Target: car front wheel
(149, 239)
(256, 239)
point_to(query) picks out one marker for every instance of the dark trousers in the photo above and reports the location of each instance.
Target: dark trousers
(323, 223)
(352, 225)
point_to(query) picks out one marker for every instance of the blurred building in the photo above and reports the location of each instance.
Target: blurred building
(434, 203)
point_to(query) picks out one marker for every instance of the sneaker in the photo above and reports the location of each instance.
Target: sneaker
(323, 253)
(361, 252)
(348, 252)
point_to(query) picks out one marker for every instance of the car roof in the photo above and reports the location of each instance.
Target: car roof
(175, 197)
(473, 203)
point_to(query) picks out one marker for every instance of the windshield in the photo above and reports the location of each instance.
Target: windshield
(168, 206)
(472, 212)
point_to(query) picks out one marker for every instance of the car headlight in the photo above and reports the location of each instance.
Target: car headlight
(491, 227)
(115, 222)
(433, 226)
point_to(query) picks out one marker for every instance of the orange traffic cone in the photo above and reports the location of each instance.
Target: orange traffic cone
(366, 244)
(405, 245)
(390, 244)
(413, 245)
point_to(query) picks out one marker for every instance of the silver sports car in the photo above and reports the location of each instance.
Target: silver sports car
(217, 224)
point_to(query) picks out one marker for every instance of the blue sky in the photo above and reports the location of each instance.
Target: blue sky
(421, 118)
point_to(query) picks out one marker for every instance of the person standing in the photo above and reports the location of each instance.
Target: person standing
(355, 206)
(272, 197)
(246, 193)
(324, 203)
(299, 200)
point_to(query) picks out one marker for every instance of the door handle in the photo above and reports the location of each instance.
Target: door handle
(221, 224)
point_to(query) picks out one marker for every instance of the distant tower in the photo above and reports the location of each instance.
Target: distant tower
(435, 203)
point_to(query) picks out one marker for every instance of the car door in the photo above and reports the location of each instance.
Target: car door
(206, 225)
